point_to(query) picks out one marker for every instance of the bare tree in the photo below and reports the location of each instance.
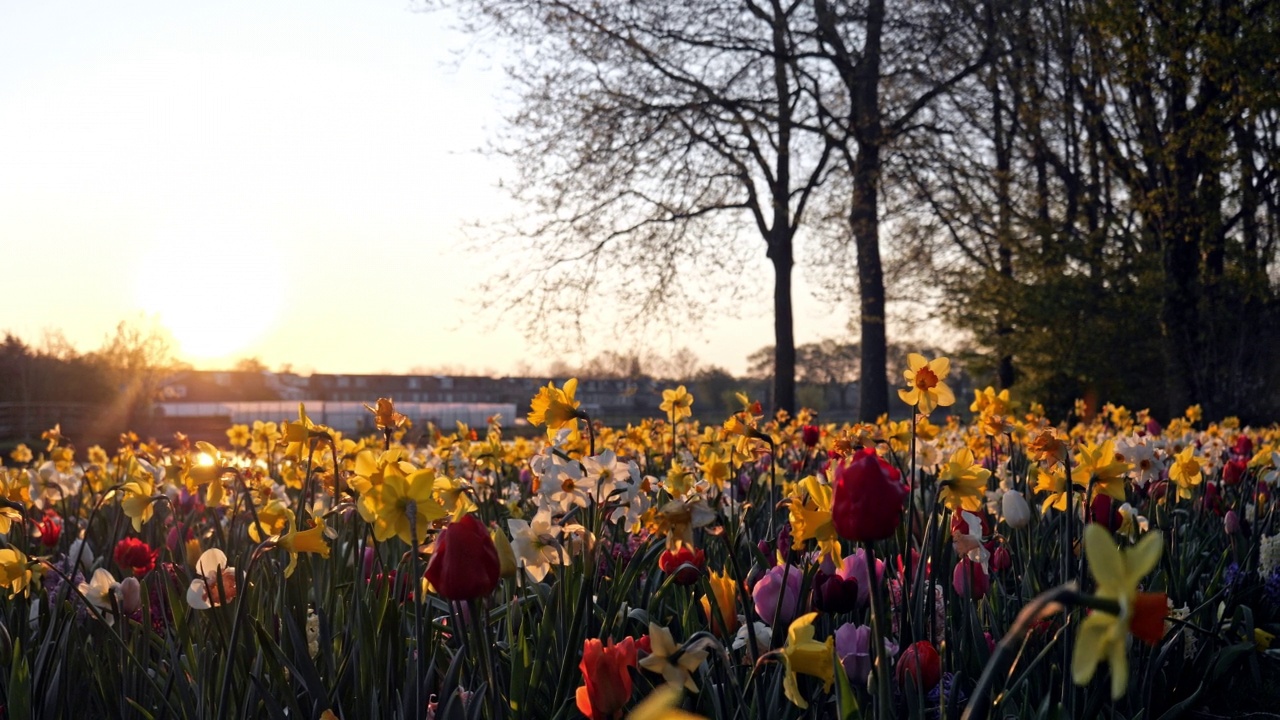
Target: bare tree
(656, 144)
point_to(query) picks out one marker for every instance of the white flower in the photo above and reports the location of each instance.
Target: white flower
(1015, 510)
(1269, 556)
(968, 541)
(98, 592)
(130, 591)
(763, 633)
(214, 584)
(537, 546)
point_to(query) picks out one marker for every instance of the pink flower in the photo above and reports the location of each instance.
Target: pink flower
(773, 598)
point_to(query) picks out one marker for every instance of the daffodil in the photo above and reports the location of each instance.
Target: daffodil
(305, 541)
(99, 591)
(404, 507)
(17, 574)
(963, 482)
(1186, 471)
(214, 584)
(676, 664)
(271, 519)
(677, 403)
(238, 435)
(1104, 636)
(136, 495)
(803, 655)
(1101, 465)
(925, 387)
(661, 704)
(811, 518)
(555, 407)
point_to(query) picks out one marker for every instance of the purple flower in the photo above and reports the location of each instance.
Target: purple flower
(772, 597)
(854, 567)
(853, 647)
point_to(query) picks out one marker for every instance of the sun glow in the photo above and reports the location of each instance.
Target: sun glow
(216, 296)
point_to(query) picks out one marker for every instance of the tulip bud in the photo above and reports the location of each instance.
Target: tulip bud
(834, 594)
(506, 556)
(778, 593)
(868, 500)
(1104, 511)
(1233, 471)
(465, 563)
(919, 662)
(130, 595)
(1001, 560)
(970, 580)
(1015, 509)
(1231, 522)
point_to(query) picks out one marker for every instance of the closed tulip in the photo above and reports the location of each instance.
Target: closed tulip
(465, 564)
(868, 500)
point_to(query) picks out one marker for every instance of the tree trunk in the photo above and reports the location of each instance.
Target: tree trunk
(784, 369)
(864, 221)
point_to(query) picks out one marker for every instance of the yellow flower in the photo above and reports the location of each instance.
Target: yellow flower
(804, 655)
(1194, 413)
(677, 403)
(385, 416)
(1104, 467)
(272, 519)
(963, 482)
(811, 518)
(21, 454)
(400, 499)
(136, 494)
(675, 664)
(265, 436)
(661, 705)
(15, 573)
(725, 593)
(555, 407)
(238, 435)
(925, 387)
(1054, 483)
(1047, 448)
(989, 401)
(1185, 471)
(307, 541)
(1104, 636)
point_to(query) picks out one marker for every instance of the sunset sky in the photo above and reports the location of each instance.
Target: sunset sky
(285, 180)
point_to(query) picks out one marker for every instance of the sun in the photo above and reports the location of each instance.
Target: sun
(216, 298)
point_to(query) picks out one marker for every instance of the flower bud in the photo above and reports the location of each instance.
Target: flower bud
(465, 563)
(130, 595)
(919, 662)
(868, 500)
(1016, 511)
(970, 580)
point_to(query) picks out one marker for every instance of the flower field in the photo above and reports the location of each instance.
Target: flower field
(1007, 565)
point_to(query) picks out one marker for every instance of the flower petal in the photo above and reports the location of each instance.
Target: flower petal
(1105, 560)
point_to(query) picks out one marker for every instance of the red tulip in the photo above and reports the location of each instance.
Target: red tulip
(868, 498)
(607, 687)
(50, 529)
(1105, 511)
(684, 563)
(134, 555)
(1233, 472)
(921, 663)
(970, 580)
(810, 435)
(465, 564)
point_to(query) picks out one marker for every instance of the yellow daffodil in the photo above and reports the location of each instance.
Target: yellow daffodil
(136, 499)
(963, 482)
(674, 663)
(555, 407)
(989, 400)
(1186, 471)
(305, 541)
(385, 416)
(1047, 447)
(677, 403)
(1053, 482)
(1101, 465)
(399, 502)
(272, 519)
(238, 435)
(1104, 636)
(804, 655)
(661, 704)
(811, 518)
(21, 454)
(264, 437)
(925, 387)
(16, 573)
